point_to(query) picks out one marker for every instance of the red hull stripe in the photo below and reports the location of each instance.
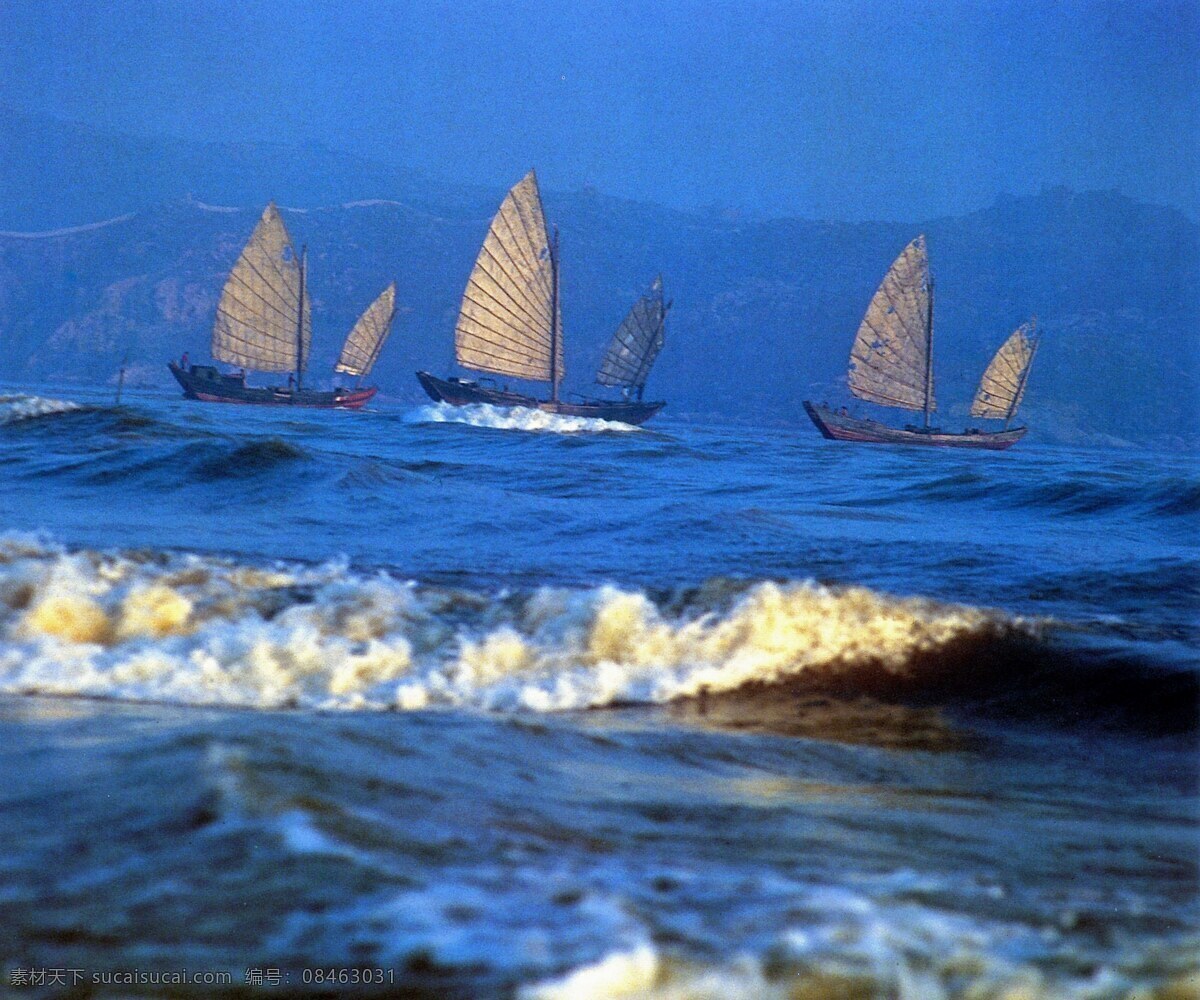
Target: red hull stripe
(201, 387)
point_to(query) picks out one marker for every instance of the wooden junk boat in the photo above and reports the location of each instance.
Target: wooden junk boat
(264, 324)
(510, 323)
(891, 364)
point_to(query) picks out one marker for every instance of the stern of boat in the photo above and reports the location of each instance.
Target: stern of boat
(355, 399)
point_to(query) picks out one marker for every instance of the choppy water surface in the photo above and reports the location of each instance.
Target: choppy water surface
(503, 705)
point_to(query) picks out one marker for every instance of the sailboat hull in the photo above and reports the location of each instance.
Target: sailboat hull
(843, 427)
(207, 384)
(461, 392)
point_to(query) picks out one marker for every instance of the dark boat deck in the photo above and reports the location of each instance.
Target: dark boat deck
(208, 384)
(463, 392)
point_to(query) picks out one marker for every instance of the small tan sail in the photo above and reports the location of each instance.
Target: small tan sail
(637, 341)
(258, 323)
(1003, 383)
(508, 323)
(366, 339)
(889, 362)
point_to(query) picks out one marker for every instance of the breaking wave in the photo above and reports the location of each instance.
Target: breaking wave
(17, 408)
(192, 629)
(513, 418)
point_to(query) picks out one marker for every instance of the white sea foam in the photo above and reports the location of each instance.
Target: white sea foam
(17, 408)
(481, 919)
(201, 630)
(618, 974)
(861, 943)
(513, 418)
(842, 941)
(647, 974)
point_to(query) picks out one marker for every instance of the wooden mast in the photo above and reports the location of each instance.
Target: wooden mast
(929, 353)
(555, 333)
(300, 321)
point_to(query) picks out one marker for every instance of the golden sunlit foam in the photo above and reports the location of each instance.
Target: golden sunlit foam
(199, 630)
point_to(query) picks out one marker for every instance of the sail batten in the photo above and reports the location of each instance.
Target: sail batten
(636, 343)
(506, 322)
(889, 362)
(1002, 386)
(366, 338)
(507, 280)
(499, 357)
(515, 310)
(500, 290)
(264, 322)
(504, 312)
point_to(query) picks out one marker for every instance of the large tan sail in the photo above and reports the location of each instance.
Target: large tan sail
(1003, 383)
(258, 316)
(507, 323)
(637, 341)
(365, 340)
(889, 362)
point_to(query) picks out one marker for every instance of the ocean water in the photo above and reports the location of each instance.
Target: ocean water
(439, 703)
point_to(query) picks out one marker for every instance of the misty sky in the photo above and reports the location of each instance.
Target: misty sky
(854, 110)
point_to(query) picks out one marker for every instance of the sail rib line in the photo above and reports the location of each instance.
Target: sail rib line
(254, 293)
(532, 320)
(536, 233)
(914, 338)
(366, 338)
(504, 324)
(1002, 385)
(263, 321)
(516, 286)
(889, 359)
(636, 342)
(499, 344)
(499, 311)
(890, 354)
(482, 307)
(498, 357)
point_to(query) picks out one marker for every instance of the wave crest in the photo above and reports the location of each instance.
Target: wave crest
(200, 630)
(251, 458)
(14, 409)
(510, 418)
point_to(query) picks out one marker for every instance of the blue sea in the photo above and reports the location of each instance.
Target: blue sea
(437, 702)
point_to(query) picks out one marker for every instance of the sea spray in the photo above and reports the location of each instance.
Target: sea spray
(196, 629)
(14, 409)
(514, 418)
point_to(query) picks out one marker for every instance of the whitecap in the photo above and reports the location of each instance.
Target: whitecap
(16, 408)
(510, 418)
(190, 629)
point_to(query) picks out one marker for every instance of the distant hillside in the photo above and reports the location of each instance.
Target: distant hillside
(764, 311)
(56, 174)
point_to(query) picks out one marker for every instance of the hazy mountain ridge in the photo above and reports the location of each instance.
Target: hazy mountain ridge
(58, 174)
(764, 312)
